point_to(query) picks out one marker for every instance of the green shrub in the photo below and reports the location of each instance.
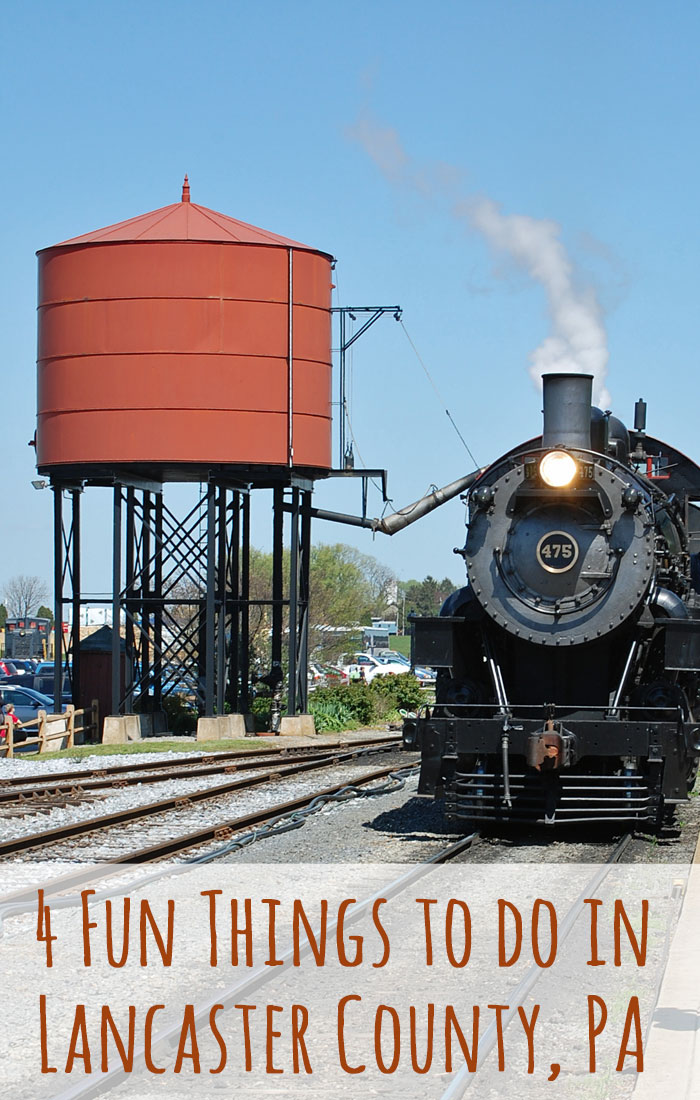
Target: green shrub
(180, 713)
(393, 693)
(407, 691)
(355, 697)
(364, 704)
(260, 709)
(347, 706)
(331, 715)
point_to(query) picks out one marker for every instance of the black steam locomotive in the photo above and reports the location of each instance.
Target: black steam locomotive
(568, 666)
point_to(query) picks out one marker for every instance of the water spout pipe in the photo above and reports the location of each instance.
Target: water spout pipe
(389, 525)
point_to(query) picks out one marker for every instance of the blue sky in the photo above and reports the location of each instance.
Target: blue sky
(582, 114)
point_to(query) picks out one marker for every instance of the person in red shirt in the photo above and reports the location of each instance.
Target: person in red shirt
(8, 711)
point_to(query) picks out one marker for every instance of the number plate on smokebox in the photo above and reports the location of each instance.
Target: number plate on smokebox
(557, 551)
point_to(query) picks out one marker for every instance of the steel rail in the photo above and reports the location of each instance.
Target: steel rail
(17, 902)
(106, 1080)
(116, 783)
(463, 1079)
(202, 758)
(150, 809)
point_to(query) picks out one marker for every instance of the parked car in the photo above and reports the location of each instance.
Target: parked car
(42, 682)
(7, 668)
(362, 666)
(334, 675)
(44, 667)
(314, 675)
(320, 675)
(425, 676)
(23, 667)
(18, 678)
(178, 680)
(26, 702)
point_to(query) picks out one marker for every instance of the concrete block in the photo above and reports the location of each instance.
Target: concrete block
(114, 730)
(210, 729)
(132, 724)
(237, 725)
(223, 727)
(120, 728)
(54, 746)
(301, 725)
(54, 743)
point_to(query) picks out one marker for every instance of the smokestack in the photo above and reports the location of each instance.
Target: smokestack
(566, 402)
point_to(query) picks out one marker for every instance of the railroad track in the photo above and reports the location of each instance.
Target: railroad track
(44, 840)
(25, 898)
(73, 774)
(118, 779)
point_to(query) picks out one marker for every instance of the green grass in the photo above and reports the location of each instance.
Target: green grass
(134, 747)
(249, 744)
(401, 643)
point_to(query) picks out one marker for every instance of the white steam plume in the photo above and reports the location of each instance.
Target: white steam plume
(577, 341)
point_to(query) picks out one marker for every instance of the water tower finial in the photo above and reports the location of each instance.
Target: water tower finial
(185, 190)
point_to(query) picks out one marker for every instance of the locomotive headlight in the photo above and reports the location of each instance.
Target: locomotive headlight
(558, 469)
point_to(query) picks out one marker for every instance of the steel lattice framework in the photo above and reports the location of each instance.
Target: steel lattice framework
(181, 592)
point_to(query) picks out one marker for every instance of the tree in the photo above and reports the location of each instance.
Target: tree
(3, 616)
(347, 588)
(45, 612)
(426, 597)
(23, 594)
(380, 579)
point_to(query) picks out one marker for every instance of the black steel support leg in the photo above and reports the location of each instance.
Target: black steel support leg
(245, 604)
(146, 606)
(293, 605)
(75, 582)
(277, 574)
(130, 593)
(232, 691)
(116, 601)
(221, 566)
(303, 599)
(157, 592)
(58, 592)
(210, 629)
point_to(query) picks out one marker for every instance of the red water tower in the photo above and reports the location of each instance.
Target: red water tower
(185, 346)
(183, 338)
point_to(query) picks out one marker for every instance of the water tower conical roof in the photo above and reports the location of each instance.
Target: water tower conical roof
(185, 221)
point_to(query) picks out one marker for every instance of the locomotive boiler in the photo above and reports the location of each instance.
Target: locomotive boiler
(567, 687)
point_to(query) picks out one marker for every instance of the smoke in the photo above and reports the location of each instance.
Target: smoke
(577, 340)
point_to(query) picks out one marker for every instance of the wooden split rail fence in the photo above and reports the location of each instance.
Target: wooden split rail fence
(49, 728)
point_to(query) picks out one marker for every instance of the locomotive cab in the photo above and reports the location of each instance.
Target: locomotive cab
(567, 666)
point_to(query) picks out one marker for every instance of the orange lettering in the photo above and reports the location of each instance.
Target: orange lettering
(187, 1031)
(502, 906)
(595, 1029)
(346, 1068)
(539, 903)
